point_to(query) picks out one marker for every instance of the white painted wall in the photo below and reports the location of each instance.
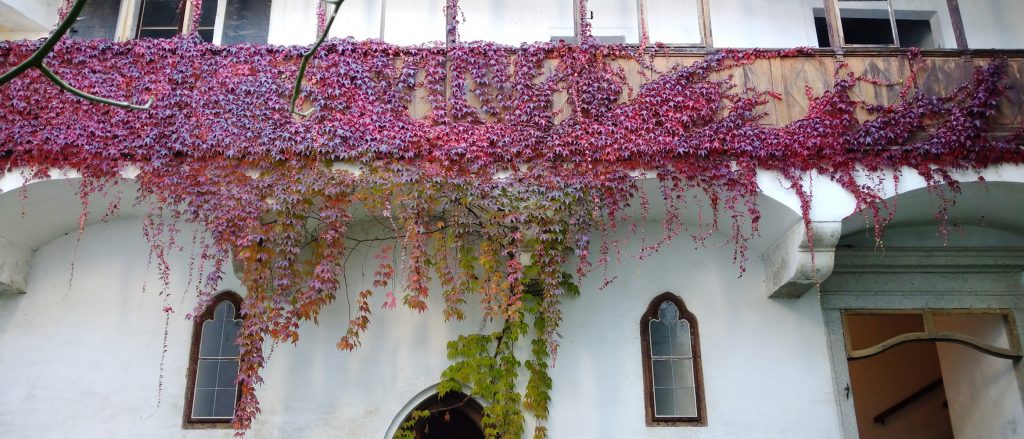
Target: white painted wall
(764, 23)
(83, 360)
(360, 20)
(993, 24)
(983, 393)
(292, 22)
(516, 22)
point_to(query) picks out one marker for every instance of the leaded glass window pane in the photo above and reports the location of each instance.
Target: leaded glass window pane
(672, 364)
(215, 390)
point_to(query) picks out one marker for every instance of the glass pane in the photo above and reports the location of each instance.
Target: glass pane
(209, 15)
(614, 21)
(682, 373)
(157, 33)
(767, 23)
(206, 374)
(667, 311)
(202, 403)
(97, 20)
(224, 404)
(160, 13)
(414, 21)
(664, 402)
(248, 21)
(357, 19)
(229, 339)
(206, 35)
(210, 344)
(227, 371)
(225, 311)
(866, 22)
(674, 21)
(993, 24)
(685, 402)
(660, 338)
(513, 22)
(924, 24)
(681, 338)
(662, 370)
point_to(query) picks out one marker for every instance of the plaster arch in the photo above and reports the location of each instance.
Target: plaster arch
(422, 398)
(992, 201)
(985, 214)
(36, 212)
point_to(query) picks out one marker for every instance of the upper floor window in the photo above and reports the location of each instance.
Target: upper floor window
(924, 24)
(221, 21)
(213, 366)
(162, 18)
(98, 20)
(674, 393)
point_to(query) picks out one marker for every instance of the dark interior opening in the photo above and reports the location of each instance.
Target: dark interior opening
(453, 416)
(878, 32)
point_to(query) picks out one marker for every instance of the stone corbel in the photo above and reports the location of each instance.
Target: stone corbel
(14, 264)
(792, 268)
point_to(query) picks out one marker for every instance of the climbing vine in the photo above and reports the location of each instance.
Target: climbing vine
(482, 184)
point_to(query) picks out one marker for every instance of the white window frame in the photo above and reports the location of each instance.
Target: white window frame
(128, 20)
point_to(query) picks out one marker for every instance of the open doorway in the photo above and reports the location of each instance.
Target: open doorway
(452, 416)
(932, 374)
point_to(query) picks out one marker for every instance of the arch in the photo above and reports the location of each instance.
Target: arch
(461, 411)
(36, 212)
(211, 360)
(673, 377)
(991, 207)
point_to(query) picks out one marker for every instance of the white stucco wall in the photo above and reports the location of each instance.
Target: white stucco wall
(84, 360)
(984, 399)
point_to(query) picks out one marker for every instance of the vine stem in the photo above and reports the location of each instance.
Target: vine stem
(37, 58)
(306, 57)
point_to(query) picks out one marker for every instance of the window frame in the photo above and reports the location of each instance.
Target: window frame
(130, 20)
(188, 422)
(182, 22)
(650, 314)
(833, 18)
(704, 21)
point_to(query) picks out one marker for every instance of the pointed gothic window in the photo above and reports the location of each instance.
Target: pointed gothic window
(213, 365)
(671, 355)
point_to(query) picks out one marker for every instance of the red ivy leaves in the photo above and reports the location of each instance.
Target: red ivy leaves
(220, 149)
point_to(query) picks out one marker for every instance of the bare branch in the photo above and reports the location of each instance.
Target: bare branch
(89, 97)
(37, 58)
(306, 57)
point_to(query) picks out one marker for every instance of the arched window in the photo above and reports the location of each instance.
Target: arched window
(673, 389)
(213, 365)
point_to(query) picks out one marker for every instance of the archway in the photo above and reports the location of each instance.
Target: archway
(452, 416)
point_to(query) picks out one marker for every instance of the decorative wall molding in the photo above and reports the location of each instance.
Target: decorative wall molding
(793, 265)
